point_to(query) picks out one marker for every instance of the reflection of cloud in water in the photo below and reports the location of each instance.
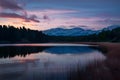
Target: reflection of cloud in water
(48, 63)
(51, 62)
(66, 60)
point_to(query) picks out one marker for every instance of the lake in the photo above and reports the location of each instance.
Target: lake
(46, 61)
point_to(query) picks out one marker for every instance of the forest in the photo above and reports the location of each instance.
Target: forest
(11, 34)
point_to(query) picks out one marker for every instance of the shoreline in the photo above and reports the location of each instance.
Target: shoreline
(109, 69)
(112, 49)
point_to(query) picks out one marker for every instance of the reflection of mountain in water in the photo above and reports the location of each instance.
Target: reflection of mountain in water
(69, 49)
(24, 50)
(49, 63)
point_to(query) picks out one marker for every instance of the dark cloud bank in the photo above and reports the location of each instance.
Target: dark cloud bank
(13, 5)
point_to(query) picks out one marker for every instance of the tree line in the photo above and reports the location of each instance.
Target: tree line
(11, 34)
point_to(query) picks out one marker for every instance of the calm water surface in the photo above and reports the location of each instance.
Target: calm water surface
(45, 61)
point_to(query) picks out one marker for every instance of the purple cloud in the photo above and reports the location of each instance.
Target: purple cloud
(45, 17)
(109, 21)
(14, 15)
(14, 5)
(33, 18)
(8, 4)
(10, 15)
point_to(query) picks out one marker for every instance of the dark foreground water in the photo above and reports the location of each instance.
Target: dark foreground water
(45, 61)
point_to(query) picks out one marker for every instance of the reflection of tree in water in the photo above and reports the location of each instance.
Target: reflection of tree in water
(12, 51)
(20, 51)
(45, 70)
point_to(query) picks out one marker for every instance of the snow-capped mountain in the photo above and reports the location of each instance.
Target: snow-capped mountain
(68, 32)
(111, 27)
(75, 31)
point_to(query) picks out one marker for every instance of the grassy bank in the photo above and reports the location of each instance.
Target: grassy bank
(106, 70)
(112, 49)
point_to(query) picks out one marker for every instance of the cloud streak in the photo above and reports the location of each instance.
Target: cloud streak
(14, 5)
(8, 4)
(54, 13)
(14, 15)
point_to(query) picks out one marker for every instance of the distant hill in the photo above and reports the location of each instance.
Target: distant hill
(111, 27)
(10, 34)
(68, 32)
(75, 31)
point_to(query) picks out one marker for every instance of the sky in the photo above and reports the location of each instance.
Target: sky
(47, 14)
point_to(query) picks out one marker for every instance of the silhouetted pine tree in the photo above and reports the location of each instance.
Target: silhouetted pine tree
(10, 34)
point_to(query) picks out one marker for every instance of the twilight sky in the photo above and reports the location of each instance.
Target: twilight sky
(46, 14)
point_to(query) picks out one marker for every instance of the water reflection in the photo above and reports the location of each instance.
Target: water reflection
(45, 63)
(69, 49)
(22, 51)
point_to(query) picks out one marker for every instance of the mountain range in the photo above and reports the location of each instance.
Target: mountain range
(75, 31)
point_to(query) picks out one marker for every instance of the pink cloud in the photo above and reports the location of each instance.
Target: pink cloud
(50, 12)
(12, 6)
(8, 4)
(14, 15)
(92, 22)
(47, 15)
